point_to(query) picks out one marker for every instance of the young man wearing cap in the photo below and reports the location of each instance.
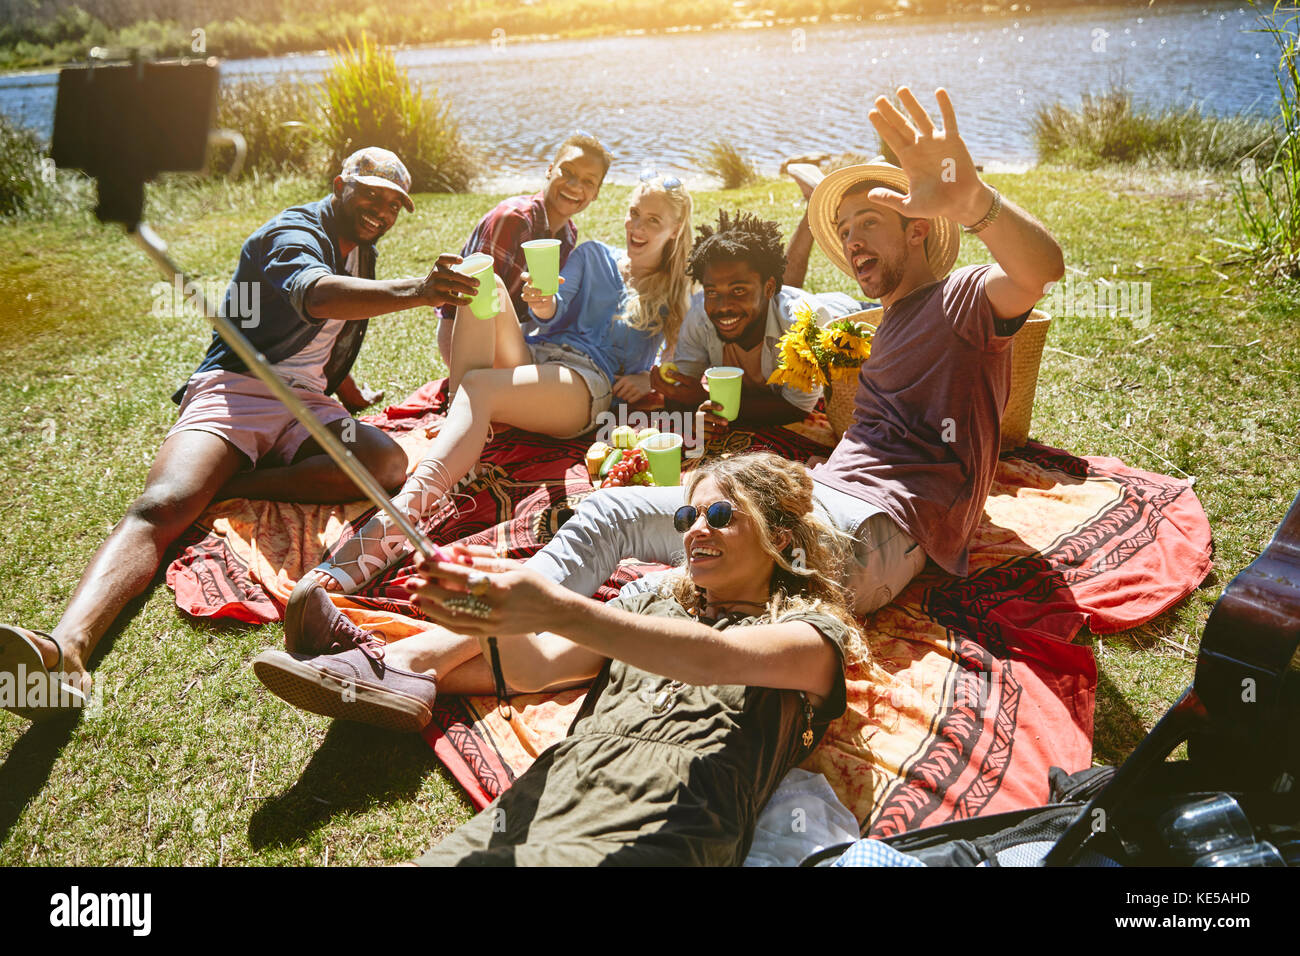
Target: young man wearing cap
(737, 320)
(302, 293)
(573, 181)
(910, 477)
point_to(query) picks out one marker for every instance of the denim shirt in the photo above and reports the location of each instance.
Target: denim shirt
(267, 298)
(591, 295)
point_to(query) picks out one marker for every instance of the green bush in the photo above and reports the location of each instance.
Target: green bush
(367, 100)
(279, 122)
(167, 38)
(1268, 184)
(1110, 129)
(23, 181)
(725, 161)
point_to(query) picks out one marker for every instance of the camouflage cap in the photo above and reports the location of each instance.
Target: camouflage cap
(379, 167)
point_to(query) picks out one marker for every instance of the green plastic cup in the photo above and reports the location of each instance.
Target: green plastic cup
(664, 453)
(484, 305)
(543, 258)
(724, 388)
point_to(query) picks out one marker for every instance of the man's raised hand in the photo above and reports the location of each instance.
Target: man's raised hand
(445, 286)
(942, 176)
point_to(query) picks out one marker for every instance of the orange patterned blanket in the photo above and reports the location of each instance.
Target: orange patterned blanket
(975, 689)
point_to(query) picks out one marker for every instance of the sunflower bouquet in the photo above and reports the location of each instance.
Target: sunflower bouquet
(811, 355)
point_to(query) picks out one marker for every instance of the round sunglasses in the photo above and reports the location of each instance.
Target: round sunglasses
(718, 515)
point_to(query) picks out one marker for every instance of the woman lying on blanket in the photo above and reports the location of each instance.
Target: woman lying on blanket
(599, 339)
(707, 692)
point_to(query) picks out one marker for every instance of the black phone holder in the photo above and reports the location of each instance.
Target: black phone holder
(124, 123)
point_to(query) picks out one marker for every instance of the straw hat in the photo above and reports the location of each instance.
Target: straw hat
(940, 245)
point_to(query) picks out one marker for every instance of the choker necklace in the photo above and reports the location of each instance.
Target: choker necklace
(726, 612)
(726, 605)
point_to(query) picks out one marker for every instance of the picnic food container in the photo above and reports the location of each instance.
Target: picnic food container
(841, 400)
(618, 467)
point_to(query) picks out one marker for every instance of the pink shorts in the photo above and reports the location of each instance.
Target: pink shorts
(242, 410)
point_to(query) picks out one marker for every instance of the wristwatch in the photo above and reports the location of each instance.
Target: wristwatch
(988, 216)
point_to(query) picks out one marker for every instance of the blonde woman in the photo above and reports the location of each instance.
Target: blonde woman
(707, 691)
(598, 340)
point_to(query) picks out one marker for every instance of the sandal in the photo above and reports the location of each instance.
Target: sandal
(43, 699)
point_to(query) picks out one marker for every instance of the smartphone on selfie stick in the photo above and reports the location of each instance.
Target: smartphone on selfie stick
(123, 123)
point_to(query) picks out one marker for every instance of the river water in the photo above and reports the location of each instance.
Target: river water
(655, 100)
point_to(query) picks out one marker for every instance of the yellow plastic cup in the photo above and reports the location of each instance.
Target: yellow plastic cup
(543, 258)
(664, 453)
(484, 305)
(724, 388)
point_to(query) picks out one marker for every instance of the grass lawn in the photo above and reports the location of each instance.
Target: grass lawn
(192, 762)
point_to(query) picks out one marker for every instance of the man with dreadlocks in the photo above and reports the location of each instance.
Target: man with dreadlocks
(737, 320)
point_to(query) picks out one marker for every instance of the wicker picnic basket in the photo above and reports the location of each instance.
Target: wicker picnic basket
(841, 400)
(1026, 356)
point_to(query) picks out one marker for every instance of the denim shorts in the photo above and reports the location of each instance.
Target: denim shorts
(598, 386)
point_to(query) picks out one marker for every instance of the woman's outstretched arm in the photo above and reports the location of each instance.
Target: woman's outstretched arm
(792, 654)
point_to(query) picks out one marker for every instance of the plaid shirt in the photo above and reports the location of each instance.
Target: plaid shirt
(502, 232)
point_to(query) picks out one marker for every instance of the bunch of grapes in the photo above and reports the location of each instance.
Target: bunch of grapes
(631, 469)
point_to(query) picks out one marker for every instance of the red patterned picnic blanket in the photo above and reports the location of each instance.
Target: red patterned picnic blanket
(975, 688)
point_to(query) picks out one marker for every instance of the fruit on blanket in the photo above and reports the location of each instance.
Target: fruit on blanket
(623, 437)
(612, 459)
(630, 468)
(596, 456)
(617, 467)
(645, 433)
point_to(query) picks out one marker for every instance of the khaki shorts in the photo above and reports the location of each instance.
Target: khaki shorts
(885, 557)
(598, 386)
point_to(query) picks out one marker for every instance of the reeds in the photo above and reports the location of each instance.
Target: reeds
(1110, 128)
(1268, 180)
(280, 123)
(724, 160)
(30, 186)
(368, 100)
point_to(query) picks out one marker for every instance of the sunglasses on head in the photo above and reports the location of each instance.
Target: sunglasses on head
(668, 182)
(718, 515)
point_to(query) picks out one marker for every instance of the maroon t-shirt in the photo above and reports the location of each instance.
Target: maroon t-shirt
(924, 440)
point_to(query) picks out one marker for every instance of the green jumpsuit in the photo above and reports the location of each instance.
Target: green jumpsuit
(653, 771)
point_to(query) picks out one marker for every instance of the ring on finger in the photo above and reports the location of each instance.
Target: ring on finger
(468, 604)
(478, 583)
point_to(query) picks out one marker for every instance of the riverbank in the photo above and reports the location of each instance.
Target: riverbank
(515, 103)
(192, 762)
(260, 30)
